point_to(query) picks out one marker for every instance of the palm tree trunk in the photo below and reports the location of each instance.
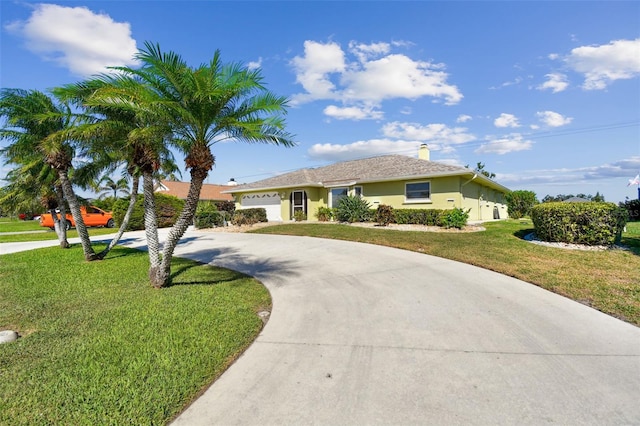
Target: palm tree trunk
(151, 223)
(71, 198)
(125, 220)
(60, 225)
(162, 277)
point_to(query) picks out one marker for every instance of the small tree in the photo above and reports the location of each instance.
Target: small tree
(480, 169)
(519, 203)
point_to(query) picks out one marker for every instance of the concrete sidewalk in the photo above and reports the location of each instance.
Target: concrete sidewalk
(361, 334)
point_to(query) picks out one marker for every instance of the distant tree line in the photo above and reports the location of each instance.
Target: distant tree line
(561, 197)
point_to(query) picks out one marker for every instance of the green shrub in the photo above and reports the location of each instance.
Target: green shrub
(105, 203)
(519, 203)
(579, 223)
(249, 216)
(428, 217)
(208, 216)
(353, 208)
(456, 218)
(324, 214)
(633, 209)
(299, 216)
(226, 206)
(168, 209)
(209, 220)
(384, 215)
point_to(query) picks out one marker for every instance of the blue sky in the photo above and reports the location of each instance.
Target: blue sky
(545, 94)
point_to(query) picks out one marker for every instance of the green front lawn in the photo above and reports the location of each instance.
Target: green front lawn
(15, 225)
(100, 346)
(606, 280)
(49, 234)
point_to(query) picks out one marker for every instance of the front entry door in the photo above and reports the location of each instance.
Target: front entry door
(298, 202)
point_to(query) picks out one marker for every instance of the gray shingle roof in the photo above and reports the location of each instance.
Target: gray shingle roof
(373, 169)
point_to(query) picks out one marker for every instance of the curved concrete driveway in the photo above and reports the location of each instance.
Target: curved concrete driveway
(362, 334)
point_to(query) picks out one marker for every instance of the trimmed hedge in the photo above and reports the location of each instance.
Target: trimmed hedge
(208, 216)
(579, 223)
(168, 208)
(209, 220)
(249, 216)
(429, 217)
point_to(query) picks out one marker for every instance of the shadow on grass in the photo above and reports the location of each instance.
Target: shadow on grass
(633, 243)
(523, 233)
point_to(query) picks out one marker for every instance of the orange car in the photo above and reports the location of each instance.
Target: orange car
(91, 215)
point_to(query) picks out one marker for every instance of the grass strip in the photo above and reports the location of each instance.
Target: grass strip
(50, 235)
(605, 280)
(100, 346)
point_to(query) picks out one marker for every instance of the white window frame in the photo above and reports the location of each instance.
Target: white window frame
(408, 200)
(355, 191)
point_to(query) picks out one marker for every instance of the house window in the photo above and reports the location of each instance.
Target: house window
(357, 191)
(335, 194)
(417, 191)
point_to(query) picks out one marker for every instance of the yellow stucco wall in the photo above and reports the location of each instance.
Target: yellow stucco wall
(446, 193)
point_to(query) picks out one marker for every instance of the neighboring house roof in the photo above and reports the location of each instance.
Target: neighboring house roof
(374, 169)
(181, 189)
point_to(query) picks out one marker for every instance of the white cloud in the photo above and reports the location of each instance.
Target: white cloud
(398, 76)
(463, 118)
(438, 133)
(513, 82)
(604, 64)
(362, 149)
(367, 51)
(353, 113)
(77, 38)
(623, 170)
(406, 110)
(511, 143)
(314, 68)
(506, 120)
(553, 119)
(255, 64)
(556, 82)
(370, 77)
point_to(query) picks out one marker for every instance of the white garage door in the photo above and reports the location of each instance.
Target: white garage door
(270, 201)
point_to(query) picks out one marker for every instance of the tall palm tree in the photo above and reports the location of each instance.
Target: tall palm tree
(118, 135)
(37, 124)
(203, 106)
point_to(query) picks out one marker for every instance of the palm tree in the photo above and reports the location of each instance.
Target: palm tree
(106, 186)
(36, 124)
(117, 135)
(203, 106)
(32, 185)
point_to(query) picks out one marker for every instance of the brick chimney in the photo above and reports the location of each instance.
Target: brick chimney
(423, 152)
